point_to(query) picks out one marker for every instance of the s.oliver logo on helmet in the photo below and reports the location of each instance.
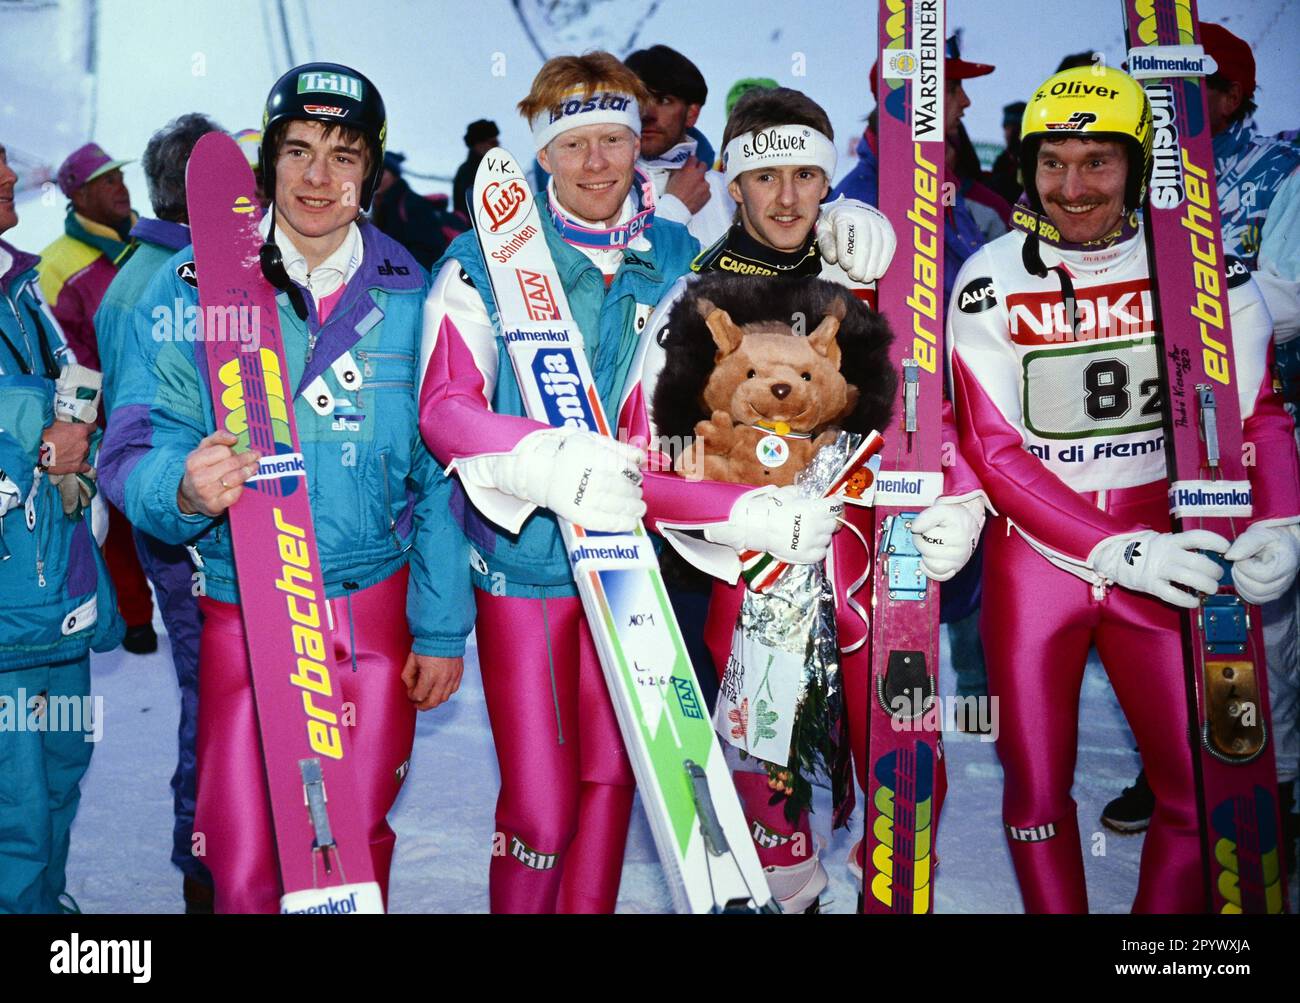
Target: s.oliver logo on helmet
(1076, 88)
(1077, 122)
(316, 82)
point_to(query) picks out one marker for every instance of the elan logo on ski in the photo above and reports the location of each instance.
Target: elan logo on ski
(556, 372)
(539, 299)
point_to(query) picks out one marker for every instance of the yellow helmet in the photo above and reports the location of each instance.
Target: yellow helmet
(1093, 101)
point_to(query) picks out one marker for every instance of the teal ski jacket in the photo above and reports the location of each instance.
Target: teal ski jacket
(378, 498)
(56, 599)
(533, 563)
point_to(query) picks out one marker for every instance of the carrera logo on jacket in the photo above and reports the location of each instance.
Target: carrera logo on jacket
(1108, 311)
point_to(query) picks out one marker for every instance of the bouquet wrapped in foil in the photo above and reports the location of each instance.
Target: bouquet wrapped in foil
(781, 696)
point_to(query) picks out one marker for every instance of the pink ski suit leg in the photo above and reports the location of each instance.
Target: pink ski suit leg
(566, 783)
(1037, 623)
(1037, 648)
(233, 812)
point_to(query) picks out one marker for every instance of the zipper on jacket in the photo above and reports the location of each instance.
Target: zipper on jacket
(388, 499)
(367, 370)
(27, 341)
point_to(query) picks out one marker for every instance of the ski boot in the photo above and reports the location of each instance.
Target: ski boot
(1131, 811)
(798, 887)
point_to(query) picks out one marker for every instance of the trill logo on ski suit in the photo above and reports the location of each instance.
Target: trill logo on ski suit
(260, 421)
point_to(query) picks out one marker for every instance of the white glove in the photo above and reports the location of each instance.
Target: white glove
(857, 237)
(1264, 562)
(77, 394)
(76, 399)
(10, 496)
(1157, 563)
(780, 522)
(946, 535)
(585, 478)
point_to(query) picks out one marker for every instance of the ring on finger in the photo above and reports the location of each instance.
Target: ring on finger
(223, 483)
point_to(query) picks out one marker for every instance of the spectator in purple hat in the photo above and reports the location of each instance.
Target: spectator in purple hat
(77, 268)
(75, 273)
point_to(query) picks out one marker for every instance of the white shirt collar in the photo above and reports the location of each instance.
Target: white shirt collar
(332, 273)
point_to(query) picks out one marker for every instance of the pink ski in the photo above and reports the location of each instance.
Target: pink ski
(324, 853)
(904, 745)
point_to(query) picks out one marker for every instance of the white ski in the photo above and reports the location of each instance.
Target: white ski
(699, 829)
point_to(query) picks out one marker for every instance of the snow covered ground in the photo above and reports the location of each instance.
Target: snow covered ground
(121, 841)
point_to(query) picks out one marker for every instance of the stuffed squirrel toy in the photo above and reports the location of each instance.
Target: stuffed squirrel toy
(759, 374)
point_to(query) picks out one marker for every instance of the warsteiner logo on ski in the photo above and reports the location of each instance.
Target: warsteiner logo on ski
(927, 51)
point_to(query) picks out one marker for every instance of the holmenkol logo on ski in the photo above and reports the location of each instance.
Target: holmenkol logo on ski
(556, 373)
(1210, 498)
(618, 552)
(900, 485)
(331, 906)
(280, 465)
(1182, 62)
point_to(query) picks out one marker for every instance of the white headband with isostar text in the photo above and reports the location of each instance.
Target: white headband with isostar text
(575, 111)
(778, 146)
